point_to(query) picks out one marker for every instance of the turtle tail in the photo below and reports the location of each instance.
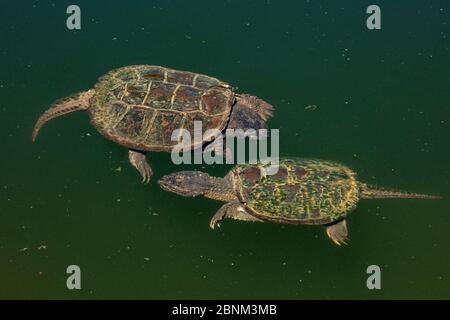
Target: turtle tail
(75, 102)
(371, 192)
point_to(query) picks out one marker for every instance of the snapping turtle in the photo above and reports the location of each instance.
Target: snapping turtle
(303, 191)
(140, 106)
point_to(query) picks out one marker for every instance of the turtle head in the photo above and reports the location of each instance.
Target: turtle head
(186, 183)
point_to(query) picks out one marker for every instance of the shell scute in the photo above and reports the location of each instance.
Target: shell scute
(169, 122)
(281, 174)
(207, 122)
(215, 101)
(131, 124)
(205, 82)
(180, 77)
(160, 95)
(250, 176)
(153, 73)
(135, 94)
(187, 99)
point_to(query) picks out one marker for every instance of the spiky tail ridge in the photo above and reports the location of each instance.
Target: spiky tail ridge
(76, 102)
(371, 192)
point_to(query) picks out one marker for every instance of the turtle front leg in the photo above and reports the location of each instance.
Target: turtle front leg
(233, 210)
(338, 232)
(138, 160)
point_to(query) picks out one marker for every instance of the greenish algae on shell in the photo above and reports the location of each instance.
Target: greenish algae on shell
(303, 191)
(141, 106)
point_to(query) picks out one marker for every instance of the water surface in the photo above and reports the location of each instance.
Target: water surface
(72, 198)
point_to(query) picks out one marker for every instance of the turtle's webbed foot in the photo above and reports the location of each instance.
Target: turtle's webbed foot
(261, 107)
(338, 233)
(233, 210)
(138, 160)
(265, 110)
(222, 214)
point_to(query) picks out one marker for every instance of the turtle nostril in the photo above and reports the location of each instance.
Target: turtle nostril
(164, 181)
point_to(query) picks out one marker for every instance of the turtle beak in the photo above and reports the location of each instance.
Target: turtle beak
(168, 183)
(183, 183)
(174, 183)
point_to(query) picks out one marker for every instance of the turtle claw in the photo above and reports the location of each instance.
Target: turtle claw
(340, 242)
(146, 173)
(215, 221)
(214, 224)
(138, 160)
(338, 233)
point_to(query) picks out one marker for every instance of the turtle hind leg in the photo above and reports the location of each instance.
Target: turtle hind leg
(139, 161)
(338, 232)
(250, 112)
(232, 210)
(261, 107)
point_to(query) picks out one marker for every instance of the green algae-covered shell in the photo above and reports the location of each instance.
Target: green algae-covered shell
(140, 106)
(303, 191)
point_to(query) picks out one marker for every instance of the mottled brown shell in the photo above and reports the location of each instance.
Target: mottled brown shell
(140, 106)
(303, 191)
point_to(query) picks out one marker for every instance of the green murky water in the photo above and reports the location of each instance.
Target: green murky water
(382, 108)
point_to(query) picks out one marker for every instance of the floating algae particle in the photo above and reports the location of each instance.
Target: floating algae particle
(311, 107)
